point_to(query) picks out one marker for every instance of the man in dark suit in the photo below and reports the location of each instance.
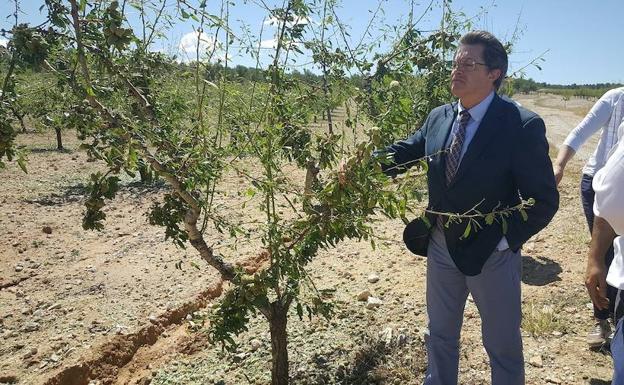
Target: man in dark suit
(487, 153)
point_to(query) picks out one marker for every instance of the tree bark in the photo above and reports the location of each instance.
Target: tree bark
(279, 344)
(22, 124)
(59, 139)
(311, 173)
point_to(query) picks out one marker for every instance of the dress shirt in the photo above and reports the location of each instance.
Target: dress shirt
(607, 114)
(476, 116)
(608, 184)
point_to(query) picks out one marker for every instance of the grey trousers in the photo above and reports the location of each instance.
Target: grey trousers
(496, 292)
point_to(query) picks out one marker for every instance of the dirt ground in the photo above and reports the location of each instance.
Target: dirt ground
(65, 291)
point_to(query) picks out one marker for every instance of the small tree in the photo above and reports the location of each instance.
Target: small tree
(130, 119)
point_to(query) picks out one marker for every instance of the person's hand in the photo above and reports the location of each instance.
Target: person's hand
(558, 170)
(596, 283)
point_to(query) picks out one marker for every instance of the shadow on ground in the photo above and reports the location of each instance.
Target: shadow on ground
(390, 359)
(595, 381)
(43, 150)
(539, 271)
(79, 191)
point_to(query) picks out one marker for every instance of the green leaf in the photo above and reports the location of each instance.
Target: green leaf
(300, 311)
(211, 84)
(21, 161)
(426, 220)
(22, 165)
(489, 219)
(467, 231)
(524, 214)
(504, 225)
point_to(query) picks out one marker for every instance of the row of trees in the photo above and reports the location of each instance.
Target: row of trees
(44, 104)
(523, 85)
(41, 103)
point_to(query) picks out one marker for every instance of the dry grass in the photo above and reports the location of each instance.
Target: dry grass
(542, 320)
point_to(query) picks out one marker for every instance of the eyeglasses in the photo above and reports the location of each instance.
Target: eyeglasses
(467, 65)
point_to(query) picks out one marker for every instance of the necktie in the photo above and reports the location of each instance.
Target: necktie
(453, 156)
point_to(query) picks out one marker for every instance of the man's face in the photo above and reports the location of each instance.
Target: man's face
(471, 80)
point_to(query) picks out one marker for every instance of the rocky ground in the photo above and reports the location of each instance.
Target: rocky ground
(65, 290)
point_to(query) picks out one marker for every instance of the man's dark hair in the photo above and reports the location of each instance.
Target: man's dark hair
(494, 54)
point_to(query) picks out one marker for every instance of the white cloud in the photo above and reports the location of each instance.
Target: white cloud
(272, 44)
(274, 21)
(269, 44)
(3, 42)
(188, 47)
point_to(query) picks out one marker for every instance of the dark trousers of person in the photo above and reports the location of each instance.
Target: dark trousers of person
(587, 197)
(617, 345)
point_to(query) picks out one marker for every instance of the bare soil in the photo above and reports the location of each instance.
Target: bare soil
(71, 299)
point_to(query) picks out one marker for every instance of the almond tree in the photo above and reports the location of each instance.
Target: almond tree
(139, 111)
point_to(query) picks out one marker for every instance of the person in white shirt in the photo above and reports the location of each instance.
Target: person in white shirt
(606, 115)
(608, 184)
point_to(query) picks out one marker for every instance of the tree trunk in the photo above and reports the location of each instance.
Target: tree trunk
(21, 120)
(147, 175)
(330, 124)
(279, 344)
(59, 140)
(311, 173)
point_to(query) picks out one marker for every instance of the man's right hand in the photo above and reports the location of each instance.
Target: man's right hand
(558, 170)
(596, 283)
(565, 154)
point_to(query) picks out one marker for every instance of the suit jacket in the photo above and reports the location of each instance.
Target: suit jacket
(507, 159)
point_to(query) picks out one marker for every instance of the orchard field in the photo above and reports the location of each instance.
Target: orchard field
(66, 292)
(180, 218)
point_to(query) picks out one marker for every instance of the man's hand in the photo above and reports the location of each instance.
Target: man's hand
(596, 283)
(558, 170)
(565, 154)
(596, 273)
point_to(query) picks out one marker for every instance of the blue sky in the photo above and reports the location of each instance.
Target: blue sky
(581, 36)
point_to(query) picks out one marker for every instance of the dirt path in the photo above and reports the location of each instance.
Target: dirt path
(64, 290)
(560, 117)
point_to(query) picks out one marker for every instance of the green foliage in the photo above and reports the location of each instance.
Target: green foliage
(100, 187)
(586, 91)
(30, 45)
(114, 34)
(170, 214)
(231, 316)
(7, 134)
(409, 82)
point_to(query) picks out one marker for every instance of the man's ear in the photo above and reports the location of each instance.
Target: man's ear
(494, 74)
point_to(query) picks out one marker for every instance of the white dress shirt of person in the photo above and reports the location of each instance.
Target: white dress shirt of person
(606, 114)
(608, 184)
